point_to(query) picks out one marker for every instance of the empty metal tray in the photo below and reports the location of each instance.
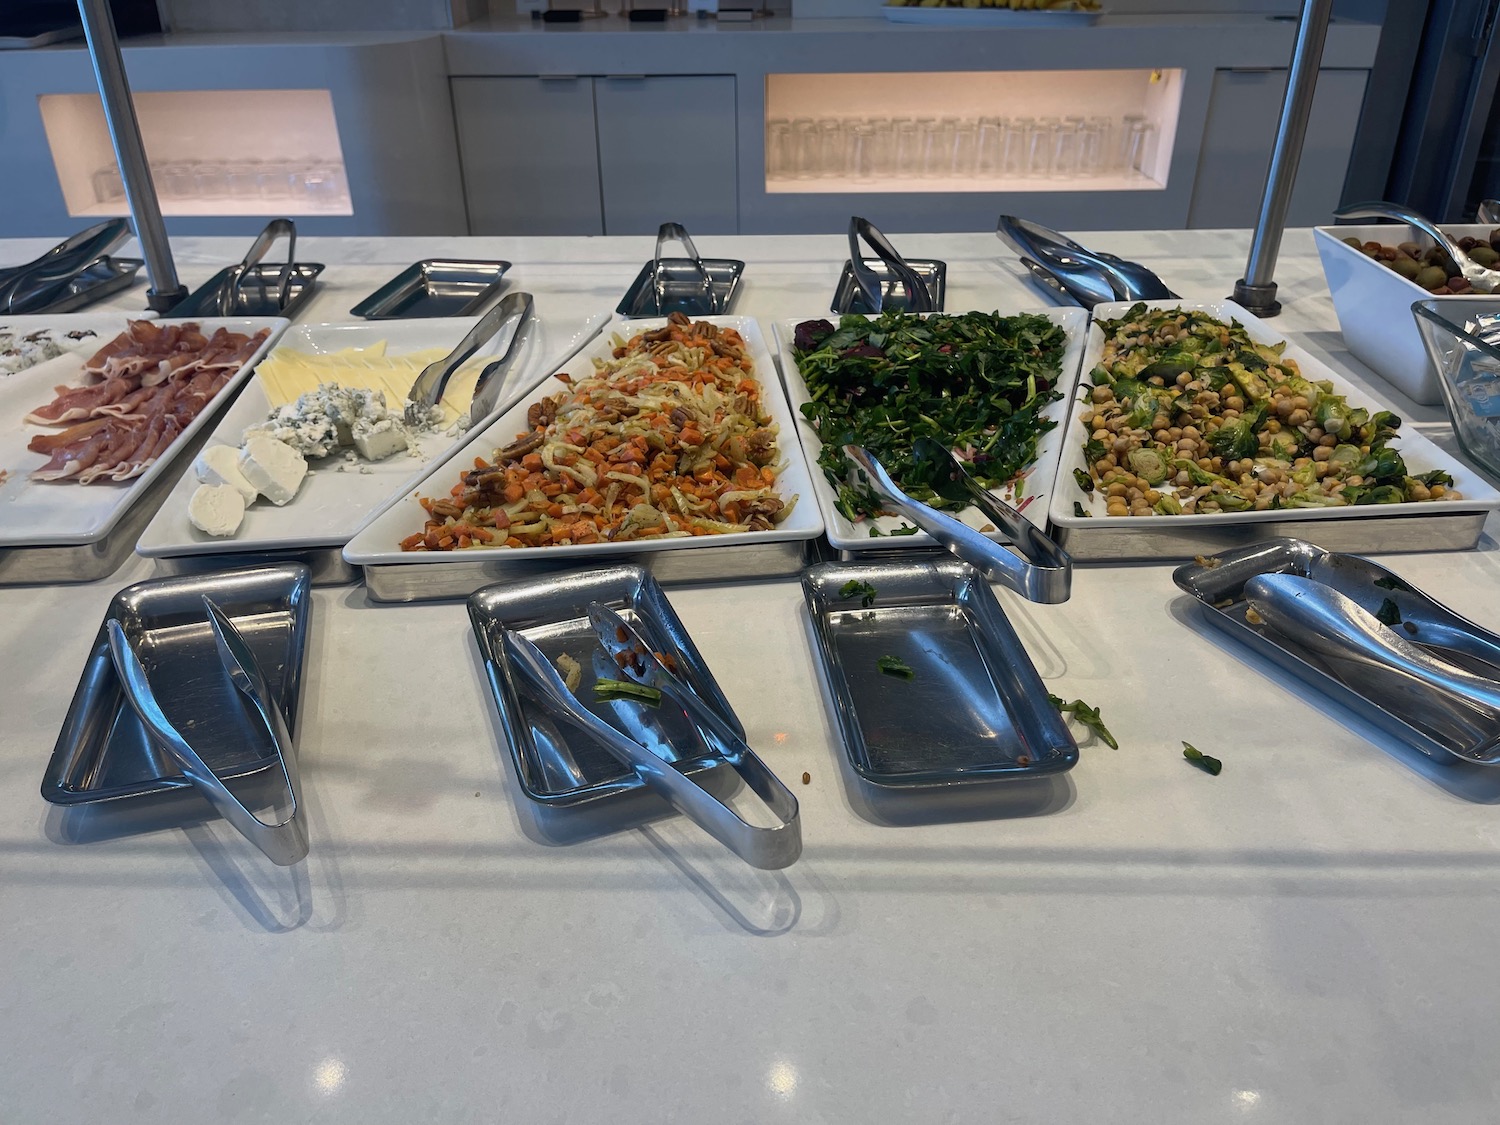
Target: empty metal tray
(682, 288)
(847, 298)
(973, 709)
(433, 287)
(257, 294)
(1219, 584)
(103, 752)
(555, 764)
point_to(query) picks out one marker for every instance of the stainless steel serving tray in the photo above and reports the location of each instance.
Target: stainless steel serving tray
(103, 278)
(848, 298)
(682, 288)
(435, 287)
(1093, 536)
(103, 752)
(555, 763)
(974, 711)
(257, 292)
(1218, 583)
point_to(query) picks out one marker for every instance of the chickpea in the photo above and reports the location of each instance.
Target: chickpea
(1184, 379)
(1152, 496)
(1103, 394)
(1190, 432)
(1122, 444)
(1118, 509)
(1438, 491)
(1321, 453)
(1298, 417)
(1273, 426)
(1419, 491)
(1174, 432)
(1101, 435)
(1330, 440)
(1301, 403)
(1133, 494)
(1206, 463)
(1115, 489)
(1315, 433)
(1235, 403)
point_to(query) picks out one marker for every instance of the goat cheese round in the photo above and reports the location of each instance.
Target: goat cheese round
(216, 509)
(273, 468)
(220, 464)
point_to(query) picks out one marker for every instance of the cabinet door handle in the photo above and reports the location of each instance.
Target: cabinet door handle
(626, 77)
(558, 77)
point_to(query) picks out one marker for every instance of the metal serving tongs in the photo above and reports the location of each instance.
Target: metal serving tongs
(515, 327)
(676, 232)
(1090, 277)
(918, 299)
(1424, 689)
(1480, 278)
(229, 289)
(428, 389)
(1039, 570)
(765, 848)
(32, 287)
(285, 842)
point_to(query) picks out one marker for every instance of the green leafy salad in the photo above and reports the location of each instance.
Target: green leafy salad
(976, 382)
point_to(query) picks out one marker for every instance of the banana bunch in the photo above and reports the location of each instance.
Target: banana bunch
(1008, 5)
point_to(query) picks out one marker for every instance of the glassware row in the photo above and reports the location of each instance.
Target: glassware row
(866, 149)
(311, 179)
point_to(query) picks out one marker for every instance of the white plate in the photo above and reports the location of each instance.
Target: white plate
(337, 495)
(58, 513)
(988, 17)
(377, 542)
(1040, 479)
(1420, 455)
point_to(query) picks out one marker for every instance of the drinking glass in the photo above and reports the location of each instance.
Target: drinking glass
(1120, 151)
(1094, 142)
(805, 148)
(779, 155)
(1039, 148)
(965, 148)
(907, 149)
(1065, 148)
(862, 155)
(1013, 151)
(833, 158)
(990, 141)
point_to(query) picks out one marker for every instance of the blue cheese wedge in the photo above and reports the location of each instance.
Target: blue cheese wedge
(378, 439)
(220, 464)
(334, 418)
(273, 468)
(216, 509)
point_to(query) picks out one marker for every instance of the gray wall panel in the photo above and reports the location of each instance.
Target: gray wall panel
(667, 153)
(530, 161)
(1237, 147)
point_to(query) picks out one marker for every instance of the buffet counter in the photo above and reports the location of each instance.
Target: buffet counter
(1298, 939)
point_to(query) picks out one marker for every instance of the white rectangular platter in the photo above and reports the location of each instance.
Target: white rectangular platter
(376, 544)
(1040, 480)
(338, 495)
(1424, 526)
(62, 513)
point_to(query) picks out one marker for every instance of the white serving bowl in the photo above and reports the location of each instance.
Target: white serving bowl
(1373, 303)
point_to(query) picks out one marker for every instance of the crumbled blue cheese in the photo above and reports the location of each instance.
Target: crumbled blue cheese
(334, 418)
(20, 350)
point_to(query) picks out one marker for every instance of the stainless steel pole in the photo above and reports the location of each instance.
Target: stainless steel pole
(1256, 291)
(125, 134)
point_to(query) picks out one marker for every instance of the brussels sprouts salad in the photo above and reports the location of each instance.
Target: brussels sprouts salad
(1187, 415)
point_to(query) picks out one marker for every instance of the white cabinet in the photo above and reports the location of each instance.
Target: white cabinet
(617, 154)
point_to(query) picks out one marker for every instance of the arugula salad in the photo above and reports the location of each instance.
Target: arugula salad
(976, 382)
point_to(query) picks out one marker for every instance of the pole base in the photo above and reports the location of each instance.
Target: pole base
(163, 302)
(1259, 300)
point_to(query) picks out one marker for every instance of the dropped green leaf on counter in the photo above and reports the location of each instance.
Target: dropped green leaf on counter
(895, 666)
(854, 588)
(624, 689)
(1201, 760)
(1088, 716)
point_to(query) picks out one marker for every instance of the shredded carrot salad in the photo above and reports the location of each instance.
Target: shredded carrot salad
(666, 439)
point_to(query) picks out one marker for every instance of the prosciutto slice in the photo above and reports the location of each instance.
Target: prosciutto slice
(151, 382)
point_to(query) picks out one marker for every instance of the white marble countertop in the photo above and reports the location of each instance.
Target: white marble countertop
(1301, 939)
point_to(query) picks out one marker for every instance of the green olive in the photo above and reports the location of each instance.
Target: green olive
(1357, 244)
(1412, 250)
(1432, 277)
(1484, 255)
(1407, 268)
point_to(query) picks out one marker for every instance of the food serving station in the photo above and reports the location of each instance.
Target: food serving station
(1289, 939)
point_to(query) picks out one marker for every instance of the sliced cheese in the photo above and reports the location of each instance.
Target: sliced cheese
(220, 464)
(286, 375)
(216, 509)
(274, 468)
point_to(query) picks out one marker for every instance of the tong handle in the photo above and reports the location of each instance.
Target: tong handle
(918, 299)
(676, 232)
(229, 295)
(766, 848)
(1380, 209)
(515, 307)
(284, 843)
(1045, 575)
